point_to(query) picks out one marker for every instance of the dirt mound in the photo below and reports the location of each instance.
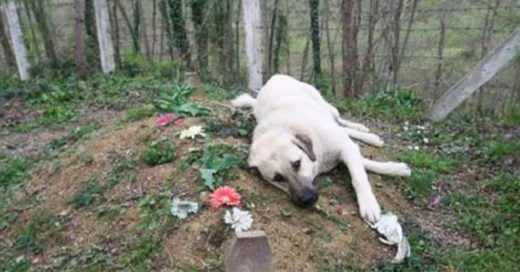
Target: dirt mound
(108, 205)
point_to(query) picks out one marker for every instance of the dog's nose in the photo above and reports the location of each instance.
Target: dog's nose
(307, 197)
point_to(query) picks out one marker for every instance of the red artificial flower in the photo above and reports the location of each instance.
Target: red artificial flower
(225, 195)
(164, 119)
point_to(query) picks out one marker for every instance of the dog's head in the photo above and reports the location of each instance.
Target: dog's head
(287, 161)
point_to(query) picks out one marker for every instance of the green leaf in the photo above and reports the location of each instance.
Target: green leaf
(191, 109)
(207, 176)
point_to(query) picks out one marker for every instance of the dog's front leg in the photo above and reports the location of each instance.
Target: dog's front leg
(368, 206)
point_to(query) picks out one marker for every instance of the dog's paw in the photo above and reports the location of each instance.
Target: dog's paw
(402, 169)
(369, 209)
(243, 101)
(361, 128)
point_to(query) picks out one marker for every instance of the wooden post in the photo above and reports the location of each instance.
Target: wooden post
(252, 25)
(15, 31)
(106, 50)
(483, 72)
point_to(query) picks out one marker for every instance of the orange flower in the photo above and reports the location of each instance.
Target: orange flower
(225, 195)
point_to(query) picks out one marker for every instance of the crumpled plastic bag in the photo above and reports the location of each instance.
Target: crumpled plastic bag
(392, 234)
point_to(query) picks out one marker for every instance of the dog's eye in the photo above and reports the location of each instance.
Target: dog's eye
(278, 178)
(296, 165)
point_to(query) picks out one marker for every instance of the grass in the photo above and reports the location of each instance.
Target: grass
(88, 192)
(42, 227)
(140, 251)
(13, 170)
(159, 152)
(469, 163)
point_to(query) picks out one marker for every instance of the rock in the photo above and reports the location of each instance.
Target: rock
(249, 252)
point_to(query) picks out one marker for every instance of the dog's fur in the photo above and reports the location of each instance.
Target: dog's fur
(299, 135)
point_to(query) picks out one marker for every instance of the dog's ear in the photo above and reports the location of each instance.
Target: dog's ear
(303, 142)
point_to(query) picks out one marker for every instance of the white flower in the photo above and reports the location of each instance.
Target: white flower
(238, 219)
(181, 208)
(192, 132)
(416, 147)
(425, 140)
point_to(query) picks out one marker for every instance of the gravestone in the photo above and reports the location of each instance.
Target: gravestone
(249, 252)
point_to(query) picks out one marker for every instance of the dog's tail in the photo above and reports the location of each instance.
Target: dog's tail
(243, 101)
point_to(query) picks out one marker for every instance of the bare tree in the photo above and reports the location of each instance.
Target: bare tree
(350, 8)
(8, 52)
(106, 49)
(40, 14)
(252, 17)
(179, 35)
(280, 41)
(154, 26)
(167, 27)
(80, 39)
(330, 47)
(272, 28)
(132, 28)
(198, 15)
(367, 67)
(315, 38)
(487, 32)
(114, 19)
(397, 36)
(30, 24)
(15, 31)
(443, 22)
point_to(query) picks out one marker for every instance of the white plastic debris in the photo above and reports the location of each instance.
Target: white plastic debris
(392, 234)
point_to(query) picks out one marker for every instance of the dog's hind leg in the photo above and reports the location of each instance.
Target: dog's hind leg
(243, 101)
(388, 168)
(366, 137)
(348, 124)
(368, 206)
(342, 122)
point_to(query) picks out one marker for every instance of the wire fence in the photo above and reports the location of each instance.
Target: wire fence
(428, 66)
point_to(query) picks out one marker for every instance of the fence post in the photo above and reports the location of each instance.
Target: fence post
(106, 49)
(483, 72)
(20, 52)
(252, 25)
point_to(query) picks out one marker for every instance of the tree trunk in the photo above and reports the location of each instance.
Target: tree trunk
(92, 49)
(15, 31)
(486, 40)
(350, 51)
(133, 29)
(198, 15)
(41, 19)
(315, 38)
(367, 67)
(154, 30)
(136, 28)
(31, 29)
(305, 59)
(179, 36)
(80, 39)
(252, 24)
(8, 52)
(280, 41)
(440, 48)
(115, 32)
(330, 48)
(106, 49)
(163, 7)
(397, 42)
(270, 64)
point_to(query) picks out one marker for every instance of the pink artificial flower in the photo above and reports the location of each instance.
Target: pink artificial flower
(179, 121)
(225, 195)
(164, 119)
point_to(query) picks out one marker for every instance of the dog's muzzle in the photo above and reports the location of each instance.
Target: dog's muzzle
(306, 197)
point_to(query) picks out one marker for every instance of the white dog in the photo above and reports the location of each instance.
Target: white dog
(299, 135)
